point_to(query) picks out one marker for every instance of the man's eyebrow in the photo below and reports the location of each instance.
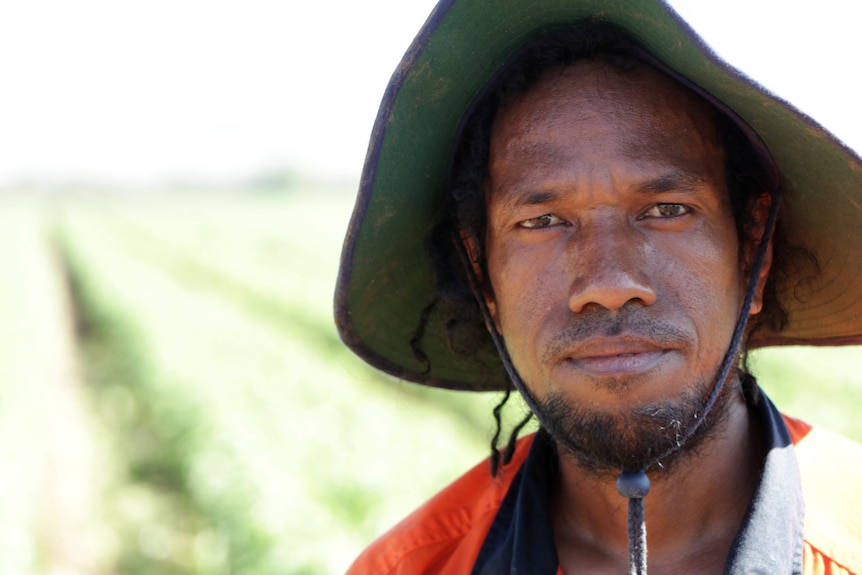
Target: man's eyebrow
(674, 181)
(520, 199)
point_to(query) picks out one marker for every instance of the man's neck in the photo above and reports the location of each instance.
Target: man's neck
(693, 511)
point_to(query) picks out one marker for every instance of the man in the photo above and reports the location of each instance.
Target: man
(577, 199)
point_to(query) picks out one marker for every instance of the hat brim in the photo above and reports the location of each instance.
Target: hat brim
(386, 283)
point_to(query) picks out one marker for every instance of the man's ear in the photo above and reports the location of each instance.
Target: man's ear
(757, 301)
(471, 245)
(763, 205)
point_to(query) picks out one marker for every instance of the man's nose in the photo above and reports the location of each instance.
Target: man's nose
(610, 269)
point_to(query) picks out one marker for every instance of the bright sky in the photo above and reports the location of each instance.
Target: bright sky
(151, 89)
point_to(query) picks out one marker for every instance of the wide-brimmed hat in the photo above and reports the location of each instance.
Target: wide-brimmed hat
(386, 281)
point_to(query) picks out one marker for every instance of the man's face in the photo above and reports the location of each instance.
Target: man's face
(612, 253)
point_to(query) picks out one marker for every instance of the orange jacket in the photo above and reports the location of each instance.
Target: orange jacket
(446, 534)
(831, 469)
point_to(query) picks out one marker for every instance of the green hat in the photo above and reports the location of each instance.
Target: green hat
(386, 282)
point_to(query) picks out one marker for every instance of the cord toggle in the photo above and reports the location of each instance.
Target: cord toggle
(633, 484)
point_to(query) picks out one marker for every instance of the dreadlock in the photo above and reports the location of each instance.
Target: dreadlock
(498, 459)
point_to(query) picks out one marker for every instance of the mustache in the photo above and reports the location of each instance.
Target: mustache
(630, 320)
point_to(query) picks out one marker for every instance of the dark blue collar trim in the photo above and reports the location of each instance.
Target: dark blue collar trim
(770, 540)
(520, 539)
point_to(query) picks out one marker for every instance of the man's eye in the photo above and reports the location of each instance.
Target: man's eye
(545, 221)
(667, 211)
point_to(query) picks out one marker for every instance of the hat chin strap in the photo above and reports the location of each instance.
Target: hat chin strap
(634, 485)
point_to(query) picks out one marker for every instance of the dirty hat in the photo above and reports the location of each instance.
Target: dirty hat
(386, 279)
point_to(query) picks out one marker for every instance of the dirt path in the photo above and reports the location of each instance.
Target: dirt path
(66, 533)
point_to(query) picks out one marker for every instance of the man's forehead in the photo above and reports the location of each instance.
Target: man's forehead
(598, 83)
(639, 115)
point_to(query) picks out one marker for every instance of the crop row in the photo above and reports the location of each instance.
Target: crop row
(254, 443)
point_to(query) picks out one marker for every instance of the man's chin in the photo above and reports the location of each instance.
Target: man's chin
(643, 439)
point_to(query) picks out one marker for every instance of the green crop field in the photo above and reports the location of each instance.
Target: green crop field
(174, 357)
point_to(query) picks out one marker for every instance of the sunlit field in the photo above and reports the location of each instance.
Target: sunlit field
(174, 398)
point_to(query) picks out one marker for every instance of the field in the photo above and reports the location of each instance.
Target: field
(173, 359)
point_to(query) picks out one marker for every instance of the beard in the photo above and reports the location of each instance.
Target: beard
(649, 436)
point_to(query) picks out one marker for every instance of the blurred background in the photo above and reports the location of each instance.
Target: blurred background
(175, 180)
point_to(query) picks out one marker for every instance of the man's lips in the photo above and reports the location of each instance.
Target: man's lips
(614, 357)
